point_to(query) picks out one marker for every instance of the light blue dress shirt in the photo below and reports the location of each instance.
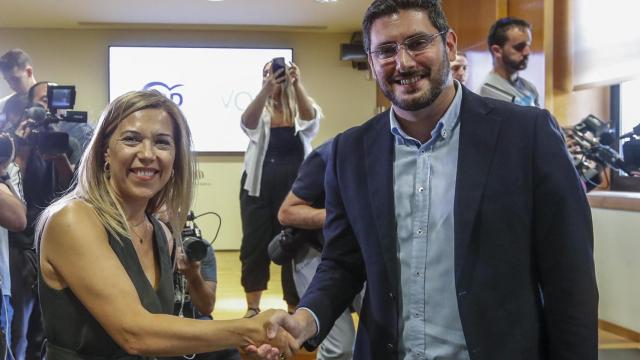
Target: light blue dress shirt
(424, 191)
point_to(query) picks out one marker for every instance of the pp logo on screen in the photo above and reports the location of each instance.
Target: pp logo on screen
(166, 90)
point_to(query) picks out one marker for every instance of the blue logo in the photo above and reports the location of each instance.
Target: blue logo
(165, 89)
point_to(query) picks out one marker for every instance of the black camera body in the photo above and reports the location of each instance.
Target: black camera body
(290, 241)
(42, 136)
(195, 248)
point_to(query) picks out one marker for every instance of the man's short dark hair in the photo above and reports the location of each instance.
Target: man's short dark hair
(14, 58)
(32, 89)
(498, 32)
(382, 8)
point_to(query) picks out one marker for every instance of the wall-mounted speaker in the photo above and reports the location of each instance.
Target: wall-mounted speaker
(354, 52)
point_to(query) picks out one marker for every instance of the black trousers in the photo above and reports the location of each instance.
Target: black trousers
(260, 224)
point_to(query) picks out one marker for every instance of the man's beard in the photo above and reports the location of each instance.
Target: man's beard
(429, 95)
(516, 65)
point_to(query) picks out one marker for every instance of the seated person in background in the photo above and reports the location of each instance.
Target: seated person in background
(459, 68)
(303, 208)
(106, 277)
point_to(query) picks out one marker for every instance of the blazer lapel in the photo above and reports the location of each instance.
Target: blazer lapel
(478, 136)
(379, 154)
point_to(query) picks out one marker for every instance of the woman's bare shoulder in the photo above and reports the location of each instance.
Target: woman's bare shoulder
(75, 215)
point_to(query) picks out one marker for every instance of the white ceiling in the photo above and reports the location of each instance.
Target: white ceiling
(292, 15)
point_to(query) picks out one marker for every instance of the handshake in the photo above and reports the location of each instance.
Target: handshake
(285, 334)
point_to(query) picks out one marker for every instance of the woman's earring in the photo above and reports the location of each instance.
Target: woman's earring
(106, 167)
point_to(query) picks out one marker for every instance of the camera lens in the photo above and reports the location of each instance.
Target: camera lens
(194, 248)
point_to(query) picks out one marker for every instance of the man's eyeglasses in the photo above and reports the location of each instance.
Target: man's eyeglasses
(413, 45)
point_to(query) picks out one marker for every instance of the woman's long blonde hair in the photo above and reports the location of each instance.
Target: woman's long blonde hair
(287, 99)
(92, 181)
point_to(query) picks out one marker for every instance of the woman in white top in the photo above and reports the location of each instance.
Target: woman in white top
(280, 123)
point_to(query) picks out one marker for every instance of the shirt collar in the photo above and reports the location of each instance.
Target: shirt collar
(443, 129)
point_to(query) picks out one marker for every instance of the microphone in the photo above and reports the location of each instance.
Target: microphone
(630, 134)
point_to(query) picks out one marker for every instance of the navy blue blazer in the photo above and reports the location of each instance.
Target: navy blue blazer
(524, 270)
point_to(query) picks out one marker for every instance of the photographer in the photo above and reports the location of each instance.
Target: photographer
(280, 122)
(48, 166)
(12, 218)
(195, 295)
(195, 282)
(303, 209)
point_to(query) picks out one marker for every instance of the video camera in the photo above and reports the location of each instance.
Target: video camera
(195, 248)
(290, 241)
(59, 97)
(593, 140)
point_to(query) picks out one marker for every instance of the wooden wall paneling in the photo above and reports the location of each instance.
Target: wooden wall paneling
(471, 20)
(567, 105)
(533, 12)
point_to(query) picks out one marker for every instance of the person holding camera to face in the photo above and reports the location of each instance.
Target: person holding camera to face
(280, 122)
(195, 281)
(12, 218)
(47, 157)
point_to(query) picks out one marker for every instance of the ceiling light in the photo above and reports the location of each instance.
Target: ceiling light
(326, 1)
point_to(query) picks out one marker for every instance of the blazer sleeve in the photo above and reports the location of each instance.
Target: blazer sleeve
(340, 275)
(563, 245)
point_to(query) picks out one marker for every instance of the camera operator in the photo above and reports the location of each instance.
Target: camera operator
(12, 218)
(195, 283)
(303, 209)
(48, 172)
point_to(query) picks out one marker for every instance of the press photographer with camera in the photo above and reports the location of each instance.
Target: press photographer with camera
(280, 123)
(47, 157)
(195, 282)
(12, 218)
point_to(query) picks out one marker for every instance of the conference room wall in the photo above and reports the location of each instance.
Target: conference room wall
(80, 57)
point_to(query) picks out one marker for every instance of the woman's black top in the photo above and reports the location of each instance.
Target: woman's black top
(284, 145)
(73, 333)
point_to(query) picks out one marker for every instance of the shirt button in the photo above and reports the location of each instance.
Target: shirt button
(419, 232)
(416, 315)
(418, 274)
(389, 347)
(420, 189)
(444, 133)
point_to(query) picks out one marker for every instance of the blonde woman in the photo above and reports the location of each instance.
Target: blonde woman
(280, 123)
(105, 281)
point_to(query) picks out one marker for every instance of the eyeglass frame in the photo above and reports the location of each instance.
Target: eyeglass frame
(431, 37)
